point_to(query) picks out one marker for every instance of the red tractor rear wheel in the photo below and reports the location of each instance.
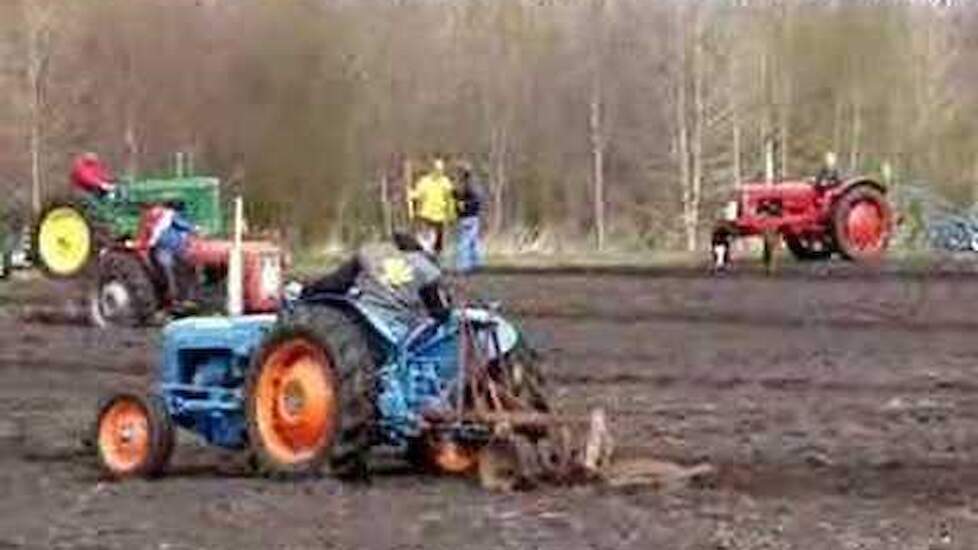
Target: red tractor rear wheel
(124, 293)
(861, 223)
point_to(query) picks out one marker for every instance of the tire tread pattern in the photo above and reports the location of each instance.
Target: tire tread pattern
(343, 340)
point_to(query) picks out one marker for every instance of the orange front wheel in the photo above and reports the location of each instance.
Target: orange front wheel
(133, 435)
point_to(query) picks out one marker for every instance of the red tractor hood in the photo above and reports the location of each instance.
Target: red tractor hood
(786, 190)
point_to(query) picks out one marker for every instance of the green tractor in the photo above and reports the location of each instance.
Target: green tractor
(70, 232)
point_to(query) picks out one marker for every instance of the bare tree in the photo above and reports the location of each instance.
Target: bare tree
(39, 18)
(595, 126)
(599, 121)
(682, 123)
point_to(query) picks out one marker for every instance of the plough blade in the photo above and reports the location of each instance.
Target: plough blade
(517, 461)
(514, 460)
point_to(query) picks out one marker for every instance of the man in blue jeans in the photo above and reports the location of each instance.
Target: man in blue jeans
(470, 195)
(164, 233)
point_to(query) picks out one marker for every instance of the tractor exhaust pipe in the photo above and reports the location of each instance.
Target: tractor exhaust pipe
(235, 304)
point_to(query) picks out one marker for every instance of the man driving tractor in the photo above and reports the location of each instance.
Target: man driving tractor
(828, 175)
(91, 177)
(399, 280)
(164, 234)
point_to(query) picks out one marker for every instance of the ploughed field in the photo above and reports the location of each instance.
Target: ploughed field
(839, 406)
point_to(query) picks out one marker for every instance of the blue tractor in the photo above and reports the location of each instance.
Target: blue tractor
(323, 382)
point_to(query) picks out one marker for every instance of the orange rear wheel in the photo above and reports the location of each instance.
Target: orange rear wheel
(310, 396)
(295, 403)
(134, 436)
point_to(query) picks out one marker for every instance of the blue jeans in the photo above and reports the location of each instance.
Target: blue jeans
(166, 260)
(467, 255)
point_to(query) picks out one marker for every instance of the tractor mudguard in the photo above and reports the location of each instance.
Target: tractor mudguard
(861, 220)
(857, 181)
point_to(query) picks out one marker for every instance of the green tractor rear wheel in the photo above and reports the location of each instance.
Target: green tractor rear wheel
(64, 240)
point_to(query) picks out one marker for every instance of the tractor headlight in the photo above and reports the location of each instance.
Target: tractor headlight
(731, 211)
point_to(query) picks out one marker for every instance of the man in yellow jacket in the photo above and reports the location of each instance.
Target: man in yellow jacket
(432, 204)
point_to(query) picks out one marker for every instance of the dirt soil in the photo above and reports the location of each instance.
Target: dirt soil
(839, 406)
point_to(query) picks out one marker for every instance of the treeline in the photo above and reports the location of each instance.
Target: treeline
(617, 123)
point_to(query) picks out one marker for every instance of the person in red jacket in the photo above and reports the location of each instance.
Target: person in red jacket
(91, 177)
(164, 234)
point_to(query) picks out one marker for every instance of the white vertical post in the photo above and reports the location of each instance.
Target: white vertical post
(235, 271)
(769, 162)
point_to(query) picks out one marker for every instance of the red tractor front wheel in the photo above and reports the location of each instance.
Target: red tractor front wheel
(861, 222)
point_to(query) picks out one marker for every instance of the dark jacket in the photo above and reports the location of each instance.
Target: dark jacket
(470, 195)
(400, 284)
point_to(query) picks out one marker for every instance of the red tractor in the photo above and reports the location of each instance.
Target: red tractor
(815, 218)
(130, 288)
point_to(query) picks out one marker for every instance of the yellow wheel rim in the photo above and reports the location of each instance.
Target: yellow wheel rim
(64, 240)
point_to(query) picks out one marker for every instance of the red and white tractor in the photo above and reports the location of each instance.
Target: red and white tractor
(851, 218)
(130, 288)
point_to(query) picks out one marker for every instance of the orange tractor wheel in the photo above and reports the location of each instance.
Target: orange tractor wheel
(443, 457)
(134, 436)
(309, 396)
(294, 405)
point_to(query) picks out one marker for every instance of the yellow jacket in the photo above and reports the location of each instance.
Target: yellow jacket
(435, 197)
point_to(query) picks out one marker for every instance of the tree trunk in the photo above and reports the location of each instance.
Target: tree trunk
(699, 114)
(596, 121)
(35, 146)
(766, 122)
(737, 169)
(597, 155)
(385, 205)
(36, 59)
(497, 161)
(769, 162)
(837, 128)
(682, 122)
(736, 145)
(132, 148)
(783, 125)
(856, 132)
(784, 93)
